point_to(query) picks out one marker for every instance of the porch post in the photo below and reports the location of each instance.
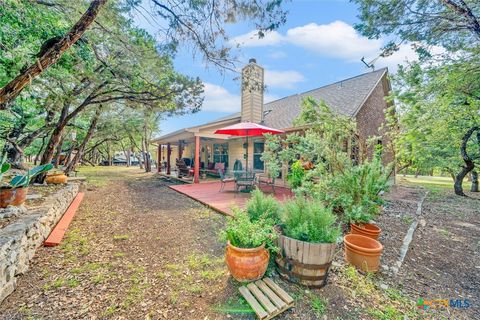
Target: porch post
(196, 172)
(169, 152)
(159, 158)
(180, 149)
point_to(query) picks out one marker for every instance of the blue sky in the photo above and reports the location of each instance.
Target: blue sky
(316, 46)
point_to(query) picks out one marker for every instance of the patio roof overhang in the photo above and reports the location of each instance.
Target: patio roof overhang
(203, 131)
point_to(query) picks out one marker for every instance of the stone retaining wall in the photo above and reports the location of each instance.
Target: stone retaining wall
(20, 239)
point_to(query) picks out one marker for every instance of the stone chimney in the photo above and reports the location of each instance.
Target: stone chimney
(252, 92)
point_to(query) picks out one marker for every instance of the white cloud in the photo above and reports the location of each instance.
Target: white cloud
(218, 99)
(405, 53)
(336, 39)
(251, 39)
(283, 79)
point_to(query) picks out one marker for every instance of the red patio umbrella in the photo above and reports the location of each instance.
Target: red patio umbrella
(247, 129)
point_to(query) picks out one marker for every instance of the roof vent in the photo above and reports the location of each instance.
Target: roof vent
(252, 60)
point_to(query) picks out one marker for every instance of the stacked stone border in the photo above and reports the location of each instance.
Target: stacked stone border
(20, 240)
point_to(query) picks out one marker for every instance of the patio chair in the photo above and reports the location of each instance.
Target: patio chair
(237, 168)
(223, 179)
(183, 170)
(266, 180)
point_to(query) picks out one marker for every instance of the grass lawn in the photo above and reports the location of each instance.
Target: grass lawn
(431, 182)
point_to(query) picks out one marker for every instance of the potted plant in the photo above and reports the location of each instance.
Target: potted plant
(362, 252)
(360, 222)
(247, 254)
(356, 194)
(56, 177)
(307, 242)
(263, 207)
(14, 192)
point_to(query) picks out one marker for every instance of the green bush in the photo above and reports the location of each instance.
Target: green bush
(296, 175)
(358, 214)
(357, 190)
(261, 206)
(244, 233)
(309, 220)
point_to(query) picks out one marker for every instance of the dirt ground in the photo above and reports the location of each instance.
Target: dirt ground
(139, 250)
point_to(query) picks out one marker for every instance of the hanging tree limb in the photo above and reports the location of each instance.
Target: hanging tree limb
(12, 89)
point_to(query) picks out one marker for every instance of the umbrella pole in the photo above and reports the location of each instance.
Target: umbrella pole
(246, 160)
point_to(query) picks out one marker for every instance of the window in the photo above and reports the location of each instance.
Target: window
(220, 153)
(258, 148)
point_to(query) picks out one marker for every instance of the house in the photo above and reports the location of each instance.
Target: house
(361, 97)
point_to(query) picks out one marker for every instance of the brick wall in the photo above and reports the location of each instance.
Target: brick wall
(371, 117)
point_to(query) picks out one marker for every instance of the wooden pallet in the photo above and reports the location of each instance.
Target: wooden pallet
(266, 298)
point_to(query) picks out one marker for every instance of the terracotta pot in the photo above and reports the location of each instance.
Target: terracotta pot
(362, 252)
(366, 229)
(56, 178)
(12, 196)
(247, 264)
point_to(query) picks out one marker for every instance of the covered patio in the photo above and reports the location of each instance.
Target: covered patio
(208, 194)
(198, 147)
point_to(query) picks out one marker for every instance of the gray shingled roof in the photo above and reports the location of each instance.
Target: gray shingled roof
(344, 97)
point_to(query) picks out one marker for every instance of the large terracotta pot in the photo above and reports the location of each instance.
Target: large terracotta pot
(366, 229)
(362, 252)
(56, 178)
(12, 196)
(247, 264)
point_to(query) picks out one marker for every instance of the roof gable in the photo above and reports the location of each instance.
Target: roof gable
(345, 97)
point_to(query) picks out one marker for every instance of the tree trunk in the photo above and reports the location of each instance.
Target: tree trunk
(40, 150)
(81, 148)
(469, 164)
(51, 55)
(55, 138)
(474, 181)
(59, 151)
(128, 158)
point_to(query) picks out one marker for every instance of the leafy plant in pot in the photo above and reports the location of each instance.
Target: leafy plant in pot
(357, 192)
(247, 253)
(14, 192)
(360, 222)
(307, 242)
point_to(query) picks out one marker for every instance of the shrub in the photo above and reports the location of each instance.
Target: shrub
(358, 214)
(261, 206)
(357, 190)
(296, 175)
(309, 220)
(244, 233)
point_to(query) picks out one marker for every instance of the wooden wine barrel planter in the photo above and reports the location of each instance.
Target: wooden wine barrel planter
(304, 262)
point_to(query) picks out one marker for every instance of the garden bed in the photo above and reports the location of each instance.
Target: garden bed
(23, 230)
(138, 249)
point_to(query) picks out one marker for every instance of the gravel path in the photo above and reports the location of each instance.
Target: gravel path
(136, 249)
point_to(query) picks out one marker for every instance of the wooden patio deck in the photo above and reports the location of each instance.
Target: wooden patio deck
(208, 194)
